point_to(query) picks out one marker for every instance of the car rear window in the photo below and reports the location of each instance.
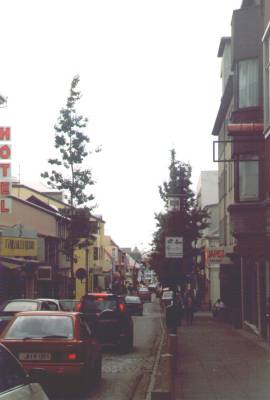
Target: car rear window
(21, 306)
(99, 304)
(37, 327)
(167, 295)
(132, 299)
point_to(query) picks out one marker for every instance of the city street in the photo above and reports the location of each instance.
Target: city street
(124, 376)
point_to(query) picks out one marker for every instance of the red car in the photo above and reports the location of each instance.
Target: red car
(55, 343)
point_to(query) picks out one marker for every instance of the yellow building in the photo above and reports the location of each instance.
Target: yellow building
(92, 260)
(89, 259)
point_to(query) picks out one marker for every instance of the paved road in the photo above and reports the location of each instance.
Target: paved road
(124, 376)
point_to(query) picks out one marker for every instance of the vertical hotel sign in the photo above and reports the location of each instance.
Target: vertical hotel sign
(5, 170)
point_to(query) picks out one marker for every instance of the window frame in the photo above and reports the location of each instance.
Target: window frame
(238, 83)
(248, 157)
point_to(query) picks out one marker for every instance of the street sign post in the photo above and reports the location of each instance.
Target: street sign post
(174, 247)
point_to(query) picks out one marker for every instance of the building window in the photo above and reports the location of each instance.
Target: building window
(248, 83)
(96, 253)
(248, 177)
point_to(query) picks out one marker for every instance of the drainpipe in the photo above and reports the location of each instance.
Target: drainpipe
(258, 297)
(242, 289)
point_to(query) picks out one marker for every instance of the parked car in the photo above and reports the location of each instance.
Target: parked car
(144, 294)
(134, 305)
(152, 287)
(62, 304)
(167, 298)
(15, 384)
(68, 304)
(107, 315)
(11, 307)
(52, 304)
(55, 343)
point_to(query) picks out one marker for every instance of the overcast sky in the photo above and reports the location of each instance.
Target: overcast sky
(150, 80)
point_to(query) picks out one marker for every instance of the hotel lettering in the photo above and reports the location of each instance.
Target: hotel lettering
(5, 170)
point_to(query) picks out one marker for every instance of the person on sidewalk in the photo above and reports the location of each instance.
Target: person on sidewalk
(219, 310)
(172, 317)
(189, 307)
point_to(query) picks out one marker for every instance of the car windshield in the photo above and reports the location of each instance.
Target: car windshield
(132, 299)
(68, 305)
(21, 306)
(39, 326)
(167, 295)
(99, 304)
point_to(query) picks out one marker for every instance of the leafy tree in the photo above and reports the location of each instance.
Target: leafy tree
(67, 173)
(188, 223)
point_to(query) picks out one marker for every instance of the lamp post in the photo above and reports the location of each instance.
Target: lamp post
(87, 270)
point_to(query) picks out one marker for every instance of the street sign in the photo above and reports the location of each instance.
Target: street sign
(174, 247)
(173, 203)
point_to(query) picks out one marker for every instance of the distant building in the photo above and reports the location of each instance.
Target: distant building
(208, 267)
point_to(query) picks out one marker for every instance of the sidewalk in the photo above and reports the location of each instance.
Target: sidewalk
(218, 362)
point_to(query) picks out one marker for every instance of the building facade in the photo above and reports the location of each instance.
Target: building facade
(243, 168)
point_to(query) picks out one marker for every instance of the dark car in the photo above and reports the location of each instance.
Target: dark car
(108, 317)
(144, 294)
(15, 384)
(54, 343)
(11, 307)
(134, 305)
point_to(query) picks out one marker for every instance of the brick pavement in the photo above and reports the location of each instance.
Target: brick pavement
(218, 362)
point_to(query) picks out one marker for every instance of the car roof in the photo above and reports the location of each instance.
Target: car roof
(68, 300)
(10, 300)
(101, 295)
(47, 299)
(49, 313)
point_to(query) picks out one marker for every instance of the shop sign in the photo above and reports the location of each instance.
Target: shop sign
(5, 170)
(18, 247)
(215, 254)
(174, 247)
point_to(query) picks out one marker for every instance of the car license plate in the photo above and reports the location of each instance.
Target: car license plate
(35, 356)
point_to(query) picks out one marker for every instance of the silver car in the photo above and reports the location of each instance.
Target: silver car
(14, 382)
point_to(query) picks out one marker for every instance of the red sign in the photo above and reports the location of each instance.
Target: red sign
(215, 254)
(5, 170)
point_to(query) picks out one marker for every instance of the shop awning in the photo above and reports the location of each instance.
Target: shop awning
(17, 262)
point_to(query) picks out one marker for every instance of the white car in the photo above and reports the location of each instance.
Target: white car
(15, 384)
(167, 298)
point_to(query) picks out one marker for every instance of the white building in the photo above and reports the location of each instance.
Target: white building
(207, 197)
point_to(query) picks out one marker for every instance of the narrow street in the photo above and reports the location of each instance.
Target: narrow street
(124, 376)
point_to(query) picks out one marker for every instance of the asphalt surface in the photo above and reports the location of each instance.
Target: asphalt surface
(218, 362)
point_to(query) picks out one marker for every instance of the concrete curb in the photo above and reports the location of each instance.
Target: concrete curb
(164, 382)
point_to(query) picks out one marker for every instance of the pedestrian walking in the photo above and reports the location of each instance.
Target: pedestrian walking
(173, 315)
